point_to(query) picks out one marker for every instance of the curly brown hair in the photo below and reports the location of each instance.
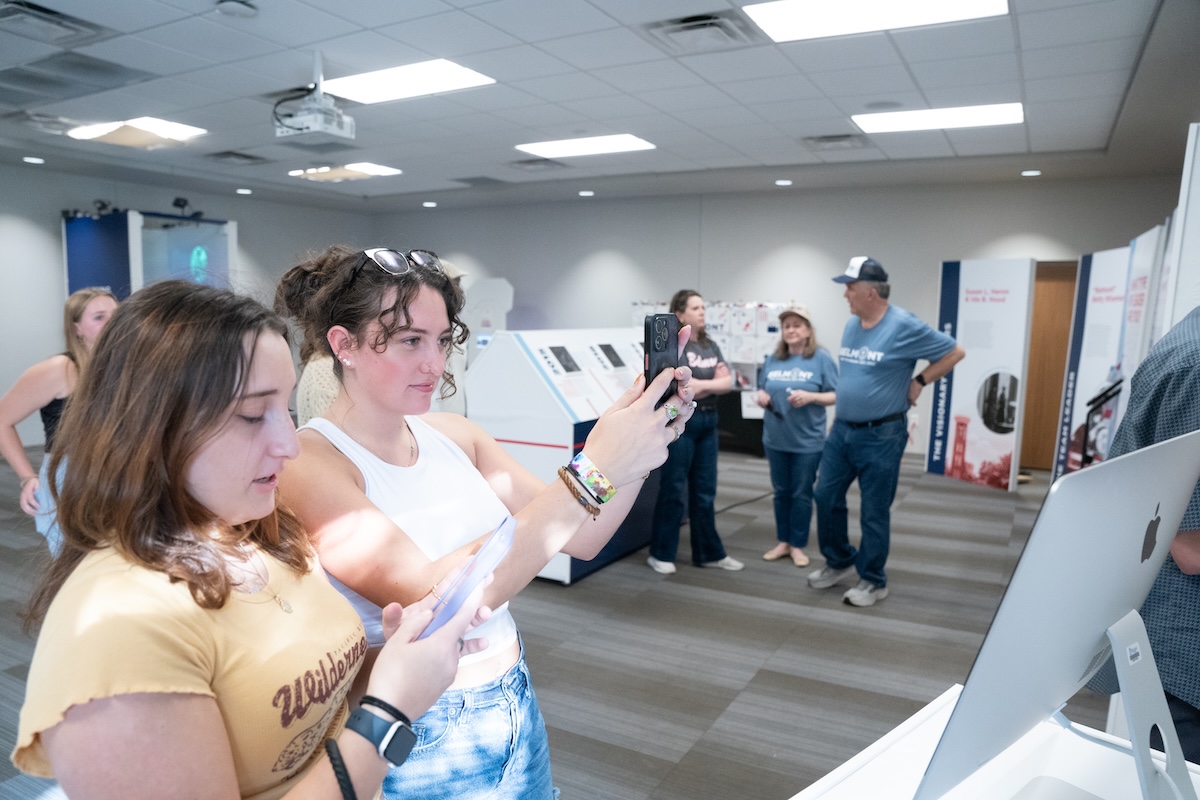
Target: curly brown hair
(163, 379)
(335, 287)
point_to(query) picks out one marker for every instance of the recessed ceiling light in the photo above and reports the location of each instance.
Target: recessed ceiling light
(587, 193)
(1030, 173)
(429, 204)
(411, 80)
(33, 160)
(245, 191)
(941, 118)
(783, 182)
(791, 20)
(587, 146)
(144, 132)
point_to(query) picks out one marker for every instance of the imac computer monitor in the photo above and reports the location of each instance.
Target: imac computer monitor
(1097, 545)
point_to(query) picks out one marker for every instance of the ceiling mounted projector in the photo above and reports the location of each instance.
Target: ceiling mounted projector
(318, 120)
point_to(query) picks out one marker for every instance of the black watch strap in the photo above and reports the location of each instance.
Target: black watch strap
(919, 378)
(393, 740)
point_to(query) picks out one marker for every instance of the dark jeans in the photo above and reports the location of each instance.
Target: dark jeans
(1187, 725)
(872, 457)
(691, 463)
(792, 479)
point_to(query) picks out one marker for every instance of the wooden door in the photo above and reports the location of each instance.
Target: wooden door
(1050, 332)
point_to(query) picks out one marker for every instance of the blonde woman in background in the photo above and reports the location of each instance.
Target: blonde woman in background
(45, 387)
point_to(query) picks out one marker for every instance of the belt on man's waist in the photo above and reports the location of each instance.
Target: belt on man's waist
(880, 421)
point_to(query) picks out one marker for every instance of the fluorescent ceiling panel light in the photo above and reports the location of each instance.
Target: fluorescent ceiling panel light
(374, 170)
(147, 133)
(931, 119)
(588, 146)
(411, 80)
(791, 20)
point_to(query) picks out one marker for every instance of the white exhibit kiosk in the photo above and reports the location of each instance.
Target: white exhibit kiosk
(1002, 735)
(539, 393)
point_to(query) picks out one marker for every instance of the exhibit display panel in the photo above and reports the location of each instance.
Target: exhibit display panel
(539, 393)
(987, 307)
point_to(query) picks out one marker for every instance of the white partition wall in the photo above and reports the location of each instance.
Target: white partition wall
(975, 435)
(540, 392)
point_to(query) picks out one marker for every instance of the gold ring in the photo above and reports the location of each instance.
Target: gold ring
(672, 411)
(433, 591)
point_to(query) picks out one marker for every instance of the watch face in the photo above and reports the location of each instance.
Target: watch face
(393, 740)
(399, 744)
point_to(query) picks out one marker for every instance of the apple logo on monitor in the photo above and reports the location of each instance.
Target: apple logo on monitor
(1151, 535)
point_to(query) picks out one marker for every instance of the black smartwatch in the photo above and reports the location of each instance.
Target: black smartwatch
(393, 740)
(919, 378)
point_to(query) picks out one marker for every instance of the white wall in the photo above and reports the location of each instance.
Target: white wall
(581, 263)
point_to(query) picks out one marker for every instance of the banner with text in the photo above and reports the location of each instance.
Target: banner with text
(986, 305)
(1093, 382)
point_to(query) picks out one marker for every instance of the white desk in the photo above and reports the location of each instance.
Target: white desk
(1057, 760)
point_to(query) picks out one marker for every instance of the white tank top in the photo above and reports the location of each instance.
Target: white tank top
(441, 502)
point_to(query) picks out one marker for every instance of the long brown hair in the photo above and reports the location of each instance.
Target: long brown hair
(164, 375)
(679, 303)
(810, 347)
(72, 313)
(331, 289)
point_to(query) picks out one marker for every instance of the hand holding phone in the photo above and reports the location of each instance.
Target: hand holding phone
(476, 569)
(662, 349)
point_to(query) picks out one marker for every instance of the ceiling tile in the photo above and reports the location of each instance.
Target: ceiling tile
(615, 107)
(842, 52)
(539, 20)
(492, 98)
(871, 103)
(363, 51)
(374, 14)
(16, 50)
(515, 63)
(1075, 86)
(559, 88)
(131, 51)
(289, 23)
(848, 156)
(686, 98)
(740, 65)
(202, 38)
(914, 144)
(448, 35)
(1053, 62)
(882, 82)
(649, 77)
(967, 71)
(956, 40)
(955, 96)
(771, 90)
(989, 141)
(607, 48)
(796, 110)
(637, 12)
(1092, 22)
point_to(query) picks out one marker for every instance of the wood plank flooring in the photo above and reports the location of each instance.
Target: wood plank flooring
(707, 683)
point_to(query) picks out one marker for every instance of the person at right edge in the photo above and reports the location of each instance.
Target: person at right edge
(1162, 405)
(881, 345)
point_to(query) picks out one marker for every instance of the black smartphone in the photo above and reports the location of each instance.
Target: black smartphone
(662, 348)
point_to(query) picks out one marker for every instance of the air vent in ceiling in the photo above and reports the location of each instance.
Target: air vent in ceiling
(703, 33)
(237, 159)
(537, 165)
(46, 123)
(63, 76)
(837, 141)
(481, 182)
(315, 145)
(32, 21)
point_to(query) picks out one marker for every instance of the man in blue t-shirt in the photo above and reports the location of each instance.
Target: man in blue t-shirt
(880, 348)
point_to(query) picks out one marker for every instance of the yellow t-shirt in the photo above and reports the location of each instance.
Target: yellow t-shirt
(280, 678)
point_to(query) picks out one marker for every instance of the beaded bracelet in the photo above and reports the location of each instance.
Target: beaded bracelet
(339, 770)
(568, 478)
(592, 478)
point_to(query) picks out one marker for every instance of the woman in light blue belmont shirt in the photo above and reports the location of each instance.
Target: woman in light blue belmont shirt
(795, 385)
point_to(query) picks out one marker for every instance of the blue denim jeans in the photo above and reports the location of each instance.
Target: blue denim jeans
(691, 467)
(46, 520)
(792, 479)
(488, 741)
(872, 456)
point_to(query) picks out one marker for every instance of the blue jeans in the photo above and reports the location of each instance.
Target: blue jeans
(692, 467)
(792, 478)
(46, 520)
(872, 456)
(488, 741)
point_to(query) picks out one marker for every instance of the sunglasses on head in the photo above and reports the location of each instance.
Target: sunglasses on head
(394, 262)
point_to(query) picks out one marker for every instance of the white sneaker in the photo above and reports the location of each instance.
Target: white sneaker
(728, 562)
(826, 576)
(864, 594)
(661, 567)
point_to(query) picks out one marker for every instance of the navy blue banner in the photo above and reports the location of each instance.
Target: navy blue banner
(1067, 412)
(98, 253)
(943, 390)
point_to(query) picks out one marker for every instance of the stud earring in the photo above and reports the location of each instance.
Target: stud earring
(345, 361)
